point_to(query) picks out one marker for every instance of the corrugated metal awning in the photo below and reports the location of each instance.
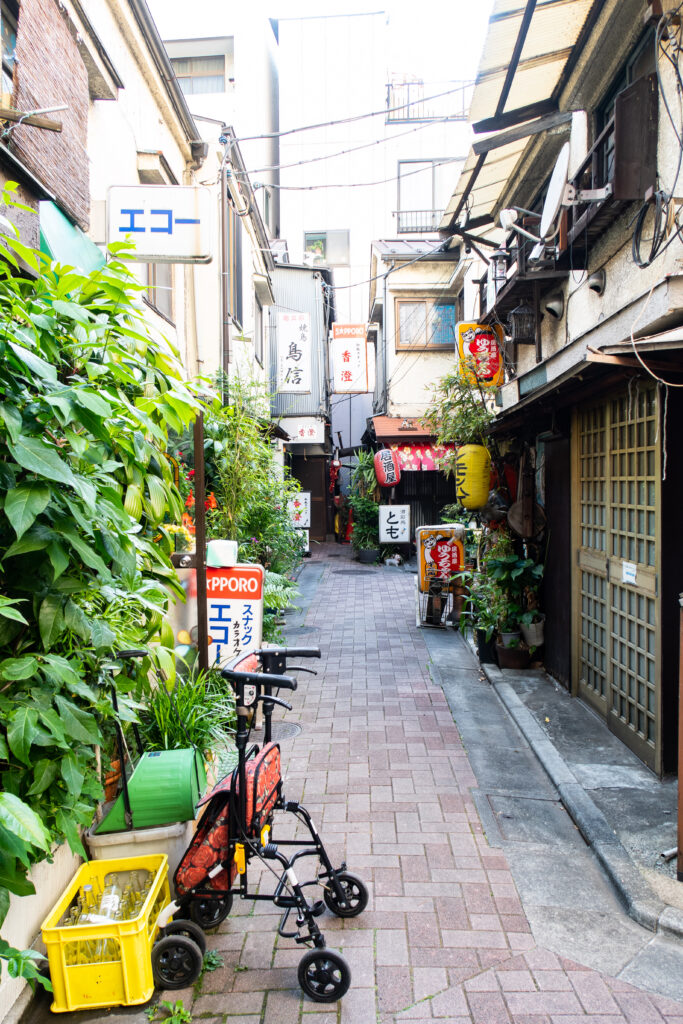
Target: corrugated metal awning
(527, 55)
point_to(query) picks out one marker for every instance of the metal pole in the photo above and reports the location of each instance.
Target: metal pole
(679, 862)
(200, 543)
(225, 285)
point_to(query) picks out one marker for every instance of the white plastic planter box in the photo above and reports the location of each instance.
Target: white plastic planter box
(172, 840)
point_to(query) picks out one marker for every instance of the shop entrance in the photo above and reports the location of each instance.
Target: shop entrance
(616, 476)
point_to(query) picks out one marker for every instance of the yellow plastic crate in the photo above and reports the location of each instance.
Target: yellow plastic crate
(124, 979)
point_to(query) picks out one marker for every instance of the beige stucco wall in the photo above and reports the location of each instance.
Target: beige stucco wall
(411, 375)
(627, 286)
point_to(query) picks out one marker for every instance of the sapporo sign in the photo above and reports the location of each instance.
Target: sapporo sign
(167, 223)
(235, 611)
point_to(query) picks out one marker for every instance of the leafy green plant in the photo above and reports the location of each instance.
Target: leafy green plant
(212, 961)
(460, 413)
(87, 396)
(363, 478)
(252, 492)
(199, 710)
(23, 963)
(365, 523)
(175, 1012)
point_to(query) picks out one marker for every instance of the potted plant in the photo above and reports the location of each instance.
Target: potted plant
(365, 536)
(481, 611)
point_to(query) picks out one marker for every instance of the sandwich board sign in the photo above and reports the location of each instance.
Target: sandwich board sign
(235, 611)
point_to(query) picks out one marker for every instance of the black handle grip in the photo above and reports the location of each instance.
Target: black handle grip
(122, 655)
(291, 652)
(233, 676)
(268, 698)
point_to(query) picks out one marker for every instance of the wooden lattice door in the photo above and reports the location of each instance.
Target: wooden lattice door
(616, 530)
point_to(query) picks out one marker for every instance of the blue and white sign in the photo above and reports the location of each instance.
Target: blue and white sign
(167, 223)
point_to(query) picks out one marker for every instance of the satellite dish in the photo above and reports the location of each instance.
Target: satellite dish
(556, 191)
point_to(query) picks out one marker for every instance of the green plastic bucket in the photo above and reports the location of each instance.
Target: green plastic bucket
(165, 786)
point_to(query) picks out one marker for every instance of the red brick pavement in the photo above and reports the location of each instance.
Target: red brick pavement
(380, 765)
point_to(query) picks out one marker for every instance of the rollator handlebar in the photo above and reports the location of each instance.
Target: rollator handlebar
(290, 652)
(259, 678)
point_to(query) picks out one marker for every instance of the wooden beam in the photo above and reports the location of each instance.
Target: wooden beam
(502, 100)
(516, 54)
(594, 356)
(9, 114)
(512, 117)
(515, 134)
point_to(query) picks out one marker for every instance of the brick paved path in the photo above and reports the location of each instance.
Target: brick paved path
(380, 763)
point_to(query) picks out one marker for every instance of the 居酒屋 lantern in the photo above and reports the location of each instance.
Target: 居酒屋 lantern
(387, 468)
(472, 475)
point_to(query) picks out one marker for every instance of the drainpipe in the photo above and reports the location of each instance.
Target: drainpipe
(679, 862)
(385, 379)
(225, 281)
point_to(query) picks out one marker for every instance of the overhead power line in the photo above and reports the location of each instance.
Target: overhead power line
(429, 165)
(357, 117)
(353, 149)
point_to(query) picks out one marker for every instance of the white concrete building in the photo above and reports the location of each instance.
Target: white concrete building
(361, 177)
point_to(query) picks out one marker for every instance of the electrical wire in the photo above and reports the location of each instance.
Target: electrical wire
(357, 117)
(353, 149)
(359, 184)
(400, 266)
(665, 217)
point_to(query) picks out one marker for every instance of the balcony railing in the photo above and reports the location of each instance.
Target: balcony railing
(424, 101)
(417, 222)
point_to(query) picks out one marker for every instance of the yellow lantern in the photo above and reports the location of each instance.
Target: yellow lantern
(472, 475)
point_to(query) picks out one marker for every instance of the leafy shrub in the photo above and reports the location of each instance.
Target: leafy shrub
(87, 396)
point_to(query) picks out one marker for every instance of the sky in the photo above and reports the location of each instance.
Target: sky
(424, 44)
(442, 42)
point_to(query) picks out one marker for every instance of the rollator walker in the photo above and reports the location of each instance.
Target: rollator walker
(238, 826)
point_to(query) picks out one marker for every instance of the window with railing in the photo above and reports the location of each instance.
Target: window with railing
(424, 188)
(416, 100)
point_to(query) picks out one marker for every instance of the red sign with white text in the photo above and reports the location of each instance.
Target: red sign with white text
(235, 611)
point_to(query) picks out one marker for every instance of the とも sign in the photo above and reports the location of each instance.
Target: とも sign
(394, 524)
(235, 611)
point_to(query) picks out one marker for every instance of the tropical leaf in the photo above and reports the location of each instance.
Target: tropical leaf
(50, 619)
(72, 774)
(38, 457)
(25, 503)
(21, 731)
(18, 668)
(20, 819)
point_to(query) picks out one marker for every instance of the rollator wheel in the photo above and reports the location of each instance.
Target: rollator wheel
(356, 896)
(208, 912)
(324, 975)
(181, 926)
(176, 962)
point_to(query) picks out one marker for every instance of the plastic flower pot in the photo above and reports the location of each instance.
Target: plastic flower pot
(512, 657)
(534, 633)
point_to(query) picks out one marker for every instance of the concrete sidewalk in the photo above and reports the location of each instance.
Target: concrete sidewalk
(486, 907)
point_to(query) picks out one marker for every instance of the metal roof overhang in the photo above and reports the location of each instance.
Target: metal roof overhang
(530, 50)
(601, 359)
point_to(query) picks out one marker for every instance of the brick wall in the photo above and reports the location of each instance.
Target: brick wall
(49, 71)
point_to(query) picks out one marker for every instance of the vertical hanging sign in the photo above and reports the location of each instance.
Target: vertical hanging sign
(235, 611)
(294, 352)
(349, 359)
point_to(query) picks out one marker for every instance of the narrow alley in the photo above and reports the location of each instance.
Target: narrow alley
(458, 929)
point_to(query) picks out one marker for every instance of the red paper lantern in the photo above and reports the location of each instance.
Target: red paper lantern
(387, 468)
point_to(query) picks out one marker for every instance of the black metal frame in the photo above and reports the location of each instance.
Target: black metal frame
(274, 663)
